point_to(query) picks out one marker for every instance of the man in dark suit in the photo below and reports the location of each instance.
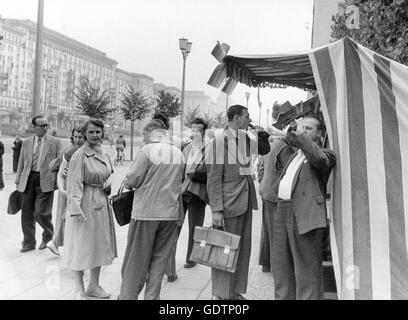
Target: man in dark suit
(301, 216)
(37, 183)
(232, 194)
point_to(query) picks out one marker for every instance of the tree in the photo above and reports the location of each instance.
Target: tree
(383, 27)
(208, 118)
(220, 120)
(190, 115)
(92, 102)
(275, 110)
(61, 118)
(168, 104)
(134, 107)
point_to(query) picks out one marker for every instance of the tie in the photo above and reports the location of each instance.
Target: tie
(36, 155)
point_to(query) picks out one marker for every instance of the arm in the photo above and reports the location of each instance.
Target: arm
(1, 148)
(261, 166)
(20, 166)
(137, 173)
(75, 185)
(215, 172)
(61, 176)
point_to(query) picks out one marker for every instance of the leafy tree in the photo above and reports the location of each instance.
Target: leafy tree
(190, 115)
(383, 27)
(208, 118)
(92, 102)
(134, 107)
(220, 120)
(168, 104)
(275, 110)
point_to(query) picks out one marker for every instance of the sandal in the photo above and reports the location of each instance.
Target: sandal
(98, 293)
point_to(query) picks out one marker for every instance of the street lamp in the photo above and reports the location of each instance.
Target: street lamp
(247, 95)
(185, 47)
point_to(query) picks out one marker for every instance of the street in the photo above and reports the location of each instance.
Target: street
(40, 275)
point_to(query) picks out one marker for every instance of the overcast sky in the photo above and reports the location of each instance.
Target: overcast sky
(142, 36)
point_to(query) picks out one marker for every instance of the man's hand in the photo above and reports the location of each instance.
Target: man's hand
(17, 185)
(65, 174)
(218, 218)
(299, 128)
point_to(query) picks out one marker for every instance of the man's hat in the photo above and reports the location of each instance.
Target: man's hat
(14, 202)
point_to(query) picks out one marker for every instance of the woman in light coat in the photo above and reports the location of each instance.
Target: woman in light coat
(90, 240)
(77, 140)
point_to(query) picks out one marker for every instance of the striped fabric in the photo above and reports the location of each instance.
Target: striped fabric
(364, 99)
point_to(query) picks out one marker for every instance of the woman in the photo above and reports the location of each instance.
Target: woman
(77, 140)
(16, 152)
(90, 240)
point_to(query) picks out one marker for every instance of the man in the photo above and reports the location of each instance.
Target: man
(156, 175)
(194, 193)
(300, 219)
(120, 143)
(232, 196)
(270, 169)
(37, 183)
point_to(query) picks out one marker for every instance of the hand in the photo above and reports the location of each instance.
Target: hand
(299, 128)
(17, 185)
(65, 172)
(218, 218)
(81, 218)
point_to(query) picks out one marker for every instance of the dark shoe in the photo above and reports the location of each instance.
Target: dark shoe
(266, 269)
(42, 246)
(216, 298)
(27, 248)
(240, 297)
(172, 278)
(190, 264)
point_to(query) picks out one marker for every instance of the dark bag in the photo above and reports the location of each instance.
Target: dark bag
(215, 248)
(122, 204)
(14, 202)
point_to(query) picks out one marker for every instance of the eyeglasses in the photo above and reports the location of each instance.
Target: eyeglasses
(43, 126)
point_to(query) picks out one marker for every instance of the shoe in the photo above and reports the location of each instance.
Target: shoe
(239, 296)
(266, 269)
(26, 248)
(216, 298)
(98, 293)
(53, 248)
(190, 264)
(172, 278)
(79, 296)
(42, 246)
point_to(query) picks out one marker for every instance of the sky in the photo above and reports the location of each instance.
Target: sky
(142, 36)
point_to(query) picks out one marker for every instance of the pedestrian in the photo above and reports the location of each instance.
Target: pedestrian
(37, 183)
(1, 165)
(270, 169)
(77, 140)
(156, 175)
(232, 195)
(194, 193)
(301, 216)
(89, 239)
(16, 151)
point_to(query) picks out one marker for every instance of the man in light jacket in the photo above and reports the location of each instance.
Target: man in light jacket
(156, 175)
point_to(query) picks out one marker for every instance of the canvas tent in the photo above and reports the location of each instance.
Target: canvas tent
(364, 101)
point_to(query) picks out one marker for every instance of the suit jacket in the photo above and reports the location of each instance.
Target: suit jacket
(271, 167)
(309, 187)
(229, 176)
(48, 178)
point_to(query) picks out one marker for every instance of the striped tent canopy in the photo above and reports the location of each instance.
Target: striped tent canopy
(364, 101)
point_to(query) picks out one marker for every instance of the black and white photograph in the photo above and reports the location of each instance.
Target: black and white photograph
(203, 150)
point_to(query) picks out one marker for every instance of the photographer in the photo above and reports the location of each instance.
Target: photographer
(300, 219)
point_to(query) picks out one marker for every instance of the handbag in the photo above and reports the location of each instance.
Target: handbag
(215, 248)
(122, 204)
(14, 202)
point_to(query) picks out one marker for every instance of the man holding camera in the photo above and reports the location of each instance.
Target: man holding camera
(301, 218)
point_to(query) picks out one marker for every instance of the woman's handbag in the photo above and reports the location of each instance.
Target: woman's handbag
(215, 248)
(122, 204)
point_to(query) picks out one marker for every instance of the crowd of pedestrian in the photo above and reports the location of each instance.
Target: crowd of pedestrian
(172, 181)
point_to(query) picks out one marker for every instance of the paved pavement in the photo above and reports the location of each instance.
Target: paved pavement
(40, 275)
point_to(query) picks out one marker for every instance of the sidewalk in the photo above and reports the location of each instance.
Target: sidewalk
(40, 275)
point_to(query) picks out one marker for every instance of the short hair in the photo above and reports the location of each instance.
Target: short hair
(235, 110)
(155, 124)
(76, 129)
(200, 121)
(97, 123)
(120, 136)
(316, 117)
(34, 119)
(163, 118)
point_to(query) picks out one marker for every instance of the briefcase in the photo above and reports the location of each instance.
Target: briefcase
(14, 202)
(215, 248)
(122, 204)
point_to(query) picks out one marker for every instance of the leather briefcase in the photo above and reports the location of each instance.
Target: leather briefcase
(122, 204)
(215, 248)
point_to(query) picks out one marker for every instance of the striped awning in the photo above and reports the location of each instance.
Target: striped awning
(283, 70)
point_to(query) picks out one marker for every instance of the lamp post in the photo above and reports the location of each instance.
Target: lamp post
(185, 47)
(247, 95)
